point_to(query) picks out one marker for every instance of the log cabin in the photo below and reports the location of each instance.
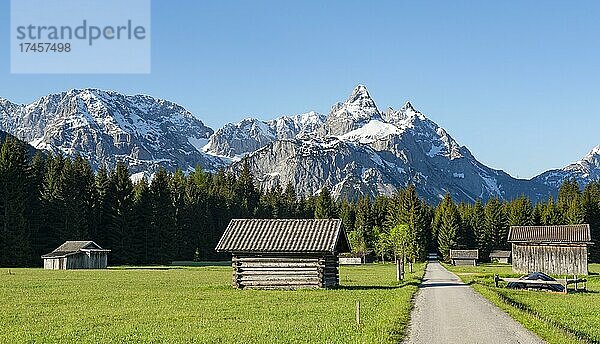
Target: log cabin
(500, 256)
(76, 255)
(557, 250)
(284, 253)
(464, 257)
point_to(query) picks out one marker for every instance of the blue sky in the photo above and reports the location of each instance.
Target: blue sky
(515, 81)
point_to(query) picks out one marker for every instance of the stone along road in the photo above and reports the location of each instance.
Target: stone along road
(449, 311)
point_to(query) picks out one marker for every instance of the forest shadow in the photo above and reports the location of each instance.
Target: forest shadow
(149, 268)
(376, 287)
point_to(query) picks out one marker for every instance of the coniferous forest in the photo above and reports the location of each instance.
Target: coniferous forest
(48, 199)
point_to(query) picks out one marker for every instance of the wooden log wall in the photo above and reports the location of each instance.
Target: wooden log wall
(464, 262)
(285, 272)
(549, 259)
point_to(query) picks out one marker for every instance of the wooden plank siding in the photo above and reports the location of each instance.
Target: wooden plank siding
(284, 272)
(550, 259)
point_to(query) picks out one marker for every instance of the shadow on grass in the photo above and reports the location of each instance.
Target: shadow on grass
(376, 287)
(441, 284)
(200, 264)
(150, 268)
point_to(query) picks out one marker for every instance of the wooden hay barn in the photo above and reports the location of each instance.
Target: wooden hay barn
(500, 256)
(557, 250)
(284, 253)
(464, 257)
(76, 255)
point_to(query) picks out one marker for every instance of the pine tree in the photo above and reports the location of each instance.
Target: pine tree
(466, 236)
(551, 214)
(575, 213)
(347, 215)
(119, 230)
(324, 208)
(163, 218)
(141, 223)
(290, 202)
(591, 208)
(14, 198)
(520, 212)
(568, 192)
(246, 193)
(52, 199)
(480, 229)
(35, 210)
(364, 221)
(496, 224)
(448, 222)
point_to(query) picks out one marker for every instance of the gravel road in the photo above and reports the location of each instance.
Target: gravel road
(448, 311)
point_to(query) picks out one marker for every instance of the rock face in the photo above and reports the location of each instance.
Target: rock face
(235, 140)
(358, 150)
(583, 171)
(106, 127)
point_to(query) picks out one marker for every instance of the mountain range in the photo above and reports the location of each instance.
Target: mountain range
(356, 149)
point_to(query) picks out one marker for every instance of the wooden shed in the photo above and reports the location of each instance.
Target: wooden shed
(500, 256)
(76, 255)
(558, 250)
(464, 257)
(284, 253)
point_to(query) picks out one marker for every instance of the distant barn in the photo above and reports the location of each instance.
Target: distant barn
(464, 257)
(500, 256)
(284, 253)
(76, 255)
(559, 250)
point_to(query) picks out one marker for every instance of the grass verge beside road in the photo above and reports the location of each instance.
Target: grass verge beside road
(197, 304)
(556, 318)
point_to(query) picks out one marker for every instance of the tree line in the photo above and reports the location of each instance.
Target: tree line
(48, 199)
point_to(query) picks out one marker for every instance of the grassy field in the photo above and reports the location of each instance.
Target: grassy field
(197, 305)
(557, 318)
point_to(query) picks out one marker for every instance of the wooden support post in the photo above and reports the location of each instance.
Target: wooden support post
(357, 313)
(496, 279)
(400, 269)
(410, 266)
(575, 278)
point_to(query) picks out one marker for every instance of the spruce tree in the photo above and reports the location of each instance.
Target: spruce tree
(448, 222)
(141, 223)
(35, 210)
(324, 207)
(496, 224)
(590, 200)
(551, 214)
(14, 198)
(119, 231)
(480, 230)
(246, 194)
(520, 212)
(163, 219)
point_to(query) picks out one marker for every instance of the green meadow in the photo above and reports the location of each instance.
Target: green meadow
(198, 305)
(557, 318)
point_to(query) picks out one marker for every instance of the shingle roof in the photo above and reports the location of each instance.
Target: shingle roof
(72, 247)
(550, 234)
(284, 236)
(464, 254)
(500, 254)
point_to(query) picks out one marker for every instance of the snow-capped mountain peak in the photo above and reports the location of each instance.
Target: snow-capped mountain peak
(356, 111)
(360, 97)
(106, 127)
